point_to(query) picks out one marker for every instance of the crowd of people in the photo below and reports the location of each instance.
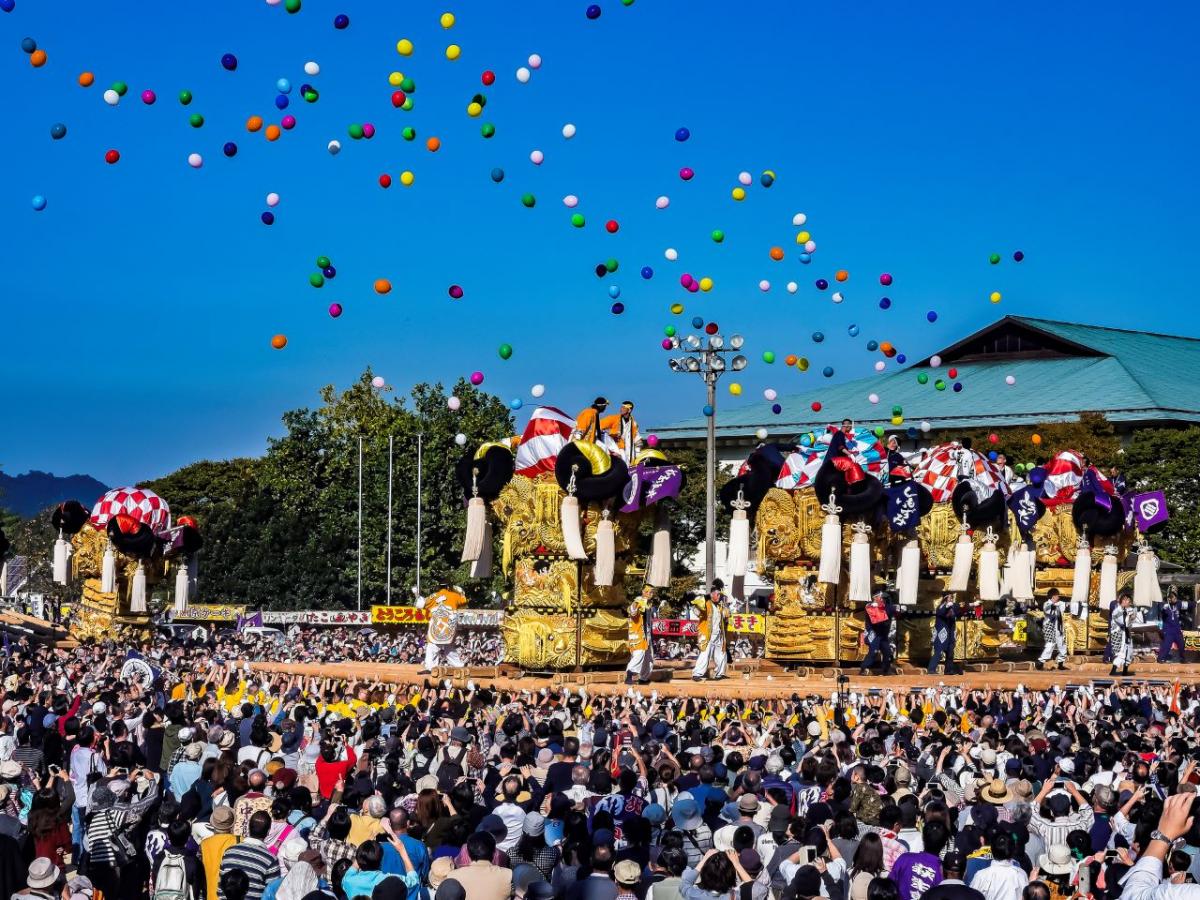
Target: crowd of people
(166, 771)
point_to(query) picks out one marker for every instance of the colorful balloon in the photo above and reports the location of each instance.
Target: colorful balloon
(686, 173)
(383, 286)
(885, 279)
(671, 253)
(229, 62)
(523, 75)
(568, 131)
(38, 202)
(505, 351)
(335, 310)
(1018, 256)
(279, 341)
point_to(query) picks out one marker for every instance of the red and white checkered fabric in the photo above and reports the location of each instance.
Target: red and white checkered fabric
(1063, 474)
(139, 504)
(801, 466)
(938, 471)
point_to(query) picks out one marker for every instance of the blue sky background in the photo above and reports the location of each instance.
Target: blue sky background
(139, 306)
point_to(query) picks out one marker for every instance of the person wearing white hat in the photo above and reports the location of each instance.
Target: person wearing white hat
(641, 651)
(41, 881)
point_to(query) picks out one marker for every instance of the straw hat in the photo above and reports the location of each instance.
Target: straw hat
(996, 793)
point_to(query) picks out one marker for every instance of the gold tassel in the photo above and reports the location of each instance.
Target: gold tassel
(658, 573)
(482, 567)
(960, 573)
(830, 570)
(860, 564)
(988, 580)
(908, 574)
(606, 551)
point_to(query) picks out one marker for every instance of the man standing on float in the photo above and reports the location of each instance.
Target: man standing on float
(1054, 637)
(587, 423)
(623, 429)
(641, 648)
(439, 639)
(715, 609)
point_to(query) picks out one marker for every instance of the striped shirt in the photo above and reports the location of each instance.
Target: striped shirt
(253, 858)
(1055, 831)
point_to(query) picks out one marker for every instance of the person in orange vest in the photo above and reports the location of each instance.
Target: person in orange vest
(623, 429)
(641, 651)
(715, 611)
(587, 423)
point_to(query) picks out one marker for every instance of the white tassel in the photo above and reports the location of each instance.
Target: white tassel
(606, 552)
(569, 516)
(860, 564)
(988, 580)
(193, 569)
(909, 573)
(739, 543)
(1081, 584)
(1108, 578)
(1022, 574)
(960, 574)
(62, 554)
(476, 520)
(181, 586)
(1006, 574)
(482, 567)
(1146, 590)
(830, 569)
(108, 570)
(658, 573)
(4, 579)
(137, 596)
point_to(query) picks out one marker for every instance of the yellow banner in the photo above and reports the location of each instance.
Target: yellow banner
(747, 623)
(398, 615)
(209, 612)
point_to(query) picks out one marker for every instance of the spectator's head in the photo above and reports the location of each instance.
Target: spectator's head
(602, 858)
(338, 824)
(481, 846)
(260, 825)
(717, 875)
(1002, 846)
(369, 856)
(883, 889)
(1035, 890)
(178, 833)
(234, 884)
(934, 835)
(673, 860)
(868, 857)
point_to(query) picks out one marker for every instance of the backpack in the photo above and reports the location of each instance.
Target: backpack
(172, 881)
(450, 770)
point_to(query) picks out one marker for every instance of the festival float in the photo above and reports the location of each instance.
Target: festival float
(568, 511)
(117, 553)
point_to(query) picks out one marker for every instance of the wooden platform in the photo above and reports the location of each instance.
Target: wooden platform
(38, 629)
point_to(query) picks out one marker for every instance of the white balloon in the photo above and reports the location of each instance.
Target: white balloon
(935, 361)
(880, 366)
(453, 402)
(523, 75)
(111, 97)
(663, 202)
(570, 201)
(761, 434)
(535, 61)
(568, 131)
(536, 157)
(792, 287)
(195, 160)
(274, 2)
(672, 254)
(377, 381)
(874, 398)
(1009, 379)
(837, 297)
(745, 177)
(770, 394)
(334, 147)
(810, 246)
(460, 439)
(537, 390)
(799, 219)
(925, 426)
(311, 68)
(764, 285)
(272, 199)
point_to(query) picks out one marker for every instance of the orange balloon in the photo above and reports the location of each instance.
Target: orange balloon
(254, 123)
(791, 359)
(273, 132)
(885, 346)
(776, 253)
(841, 274)
(383, 286)
(1037, 438)
(37, 58)
(433, 145)
(279, 341)
(86, 79)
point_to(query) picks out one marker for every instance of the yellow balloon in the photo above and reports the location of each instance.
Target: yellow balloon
(706, 283)
(474, 109)
(406, 178)
(802, 364)
(803, 237)
(739, 193)
(404, 47)
(995, 298)
(677, 308)
(453, 51)
(735, 388)
(897, 420)
(447, 20)
(395, 78)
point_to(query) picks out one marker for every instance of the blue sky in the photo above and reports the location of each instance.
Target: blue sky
(139, 306)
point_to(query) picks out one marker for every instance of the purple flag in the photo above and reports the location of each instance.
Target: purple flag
(251, 621)
(649, 484)
(1095, 482)
(1149, 509)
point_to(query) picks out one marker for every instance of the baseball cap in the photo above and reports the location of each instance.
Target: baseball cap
(627, 872)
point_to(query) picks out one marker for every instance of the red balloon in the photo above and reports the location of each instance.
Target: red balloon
(385, 180)
(953, 373)
(398, 98)
(112, 156)
(489, 77)
(711, 328)
(993, 438)
(612, 226)
(816, 406)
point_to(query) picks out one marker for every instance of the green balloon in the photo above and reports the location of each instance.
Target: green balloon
(923, 378)
(323, 262)
(480, 99)
(878, 431)
(407, 105)
(940, 385)
(577, 220)
(120, 87)
(316, 279)
(669, 331)
(505, 351)
(355, 131)
(718, 235)
(897, 410)
(487, 129)
(292, 6)
(409, 133)
(185, 97)
(994, 259)
(195, 120)
(768, 356)
(311, 95)
(611, 264)
(528, 200)
(408, 85)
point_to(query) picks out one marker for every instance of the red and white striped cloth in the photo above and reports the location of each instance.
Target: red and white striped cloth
(1063, 474)
(938, 471)
(801, 465)
(139, 504)
(548, 431)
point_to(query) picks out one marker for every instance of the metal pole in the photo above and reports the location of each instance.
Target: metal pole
(420, 437)
(391, 441)
(360, 474)
(710, 470)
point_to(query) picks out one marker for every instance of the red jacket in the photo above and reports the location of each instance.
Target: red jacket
(328, 773)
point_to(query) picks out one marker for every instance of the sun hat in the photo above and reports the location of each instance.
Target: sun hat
(997, 793)
(42, 873)
(193, 751)
(747, 803)
(1057, 860)
(440, 869)
(686, 814)
(460, 734)
(535, 824)
(545, 756)
(222, 820)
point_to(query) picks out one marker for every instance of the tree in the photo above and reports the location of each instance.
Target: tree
(1093, 435)
(1169, 460)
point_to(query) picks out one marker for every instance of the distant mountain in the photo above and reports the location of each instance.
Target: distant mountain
(29, 494)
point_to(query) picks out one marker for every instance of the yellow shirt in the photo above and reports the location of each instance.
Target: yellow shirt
(211, 851)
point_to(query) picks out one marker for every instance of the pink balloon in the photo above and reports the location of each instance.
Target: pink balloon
(476, 378)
